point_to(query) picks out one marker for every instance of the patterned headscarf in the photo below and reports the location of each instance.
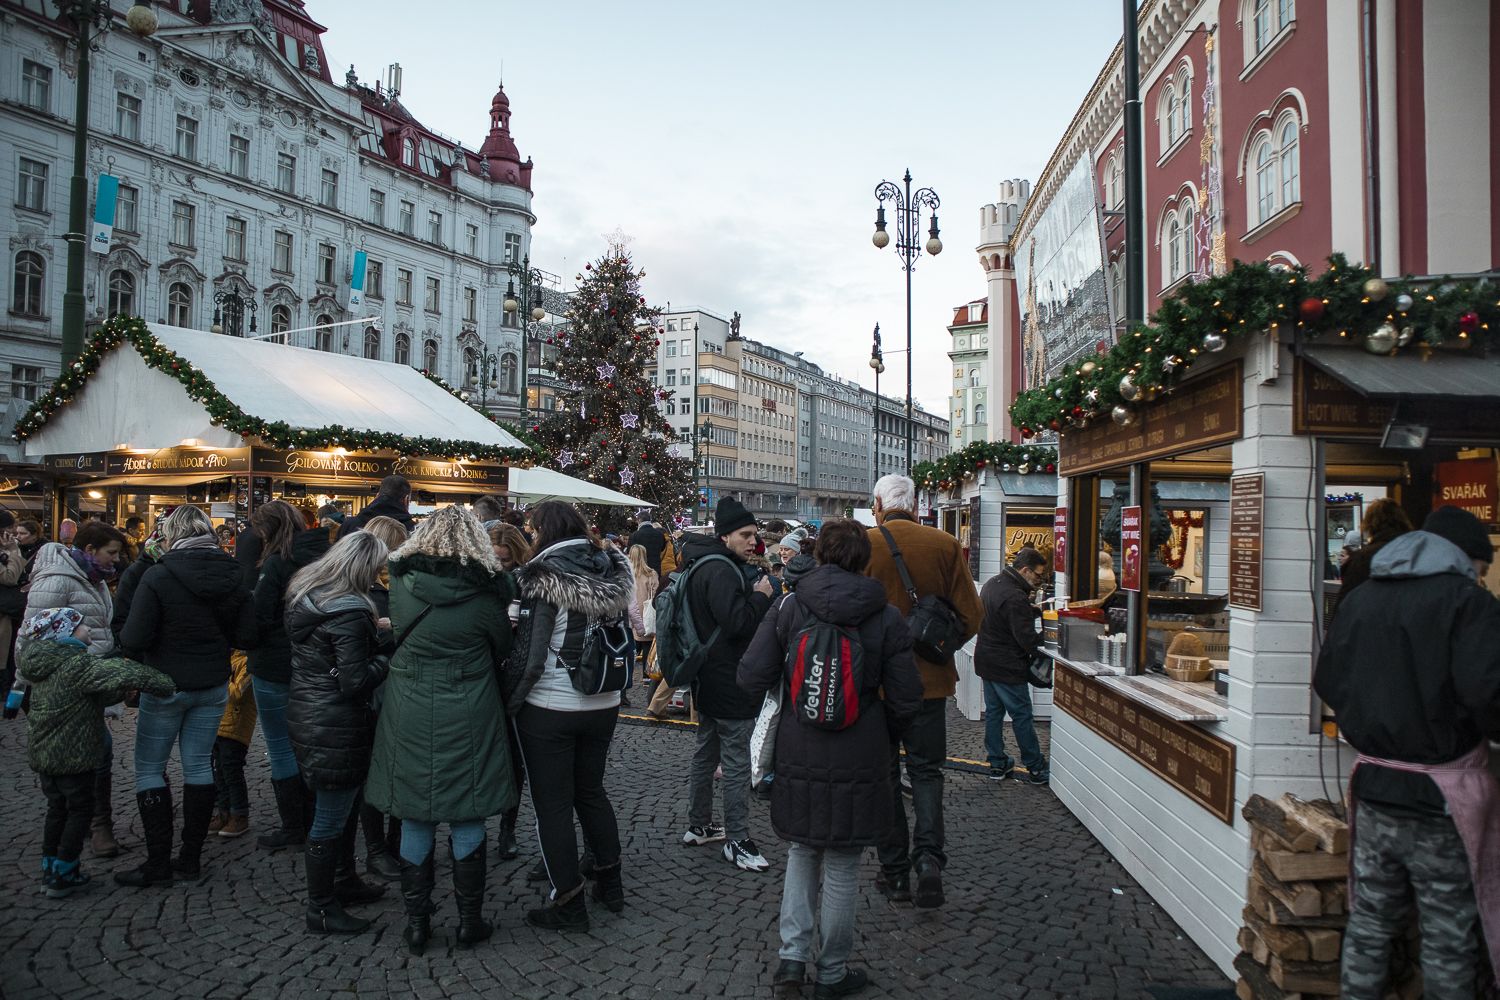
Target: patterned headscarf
(58, 623)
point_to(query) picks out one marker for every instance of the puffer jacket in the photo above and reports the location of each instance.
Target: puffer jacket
(1008, 638)
(441, 754)
(562, 588)
(189, 610)
(271, 660)
(833, 789)
(57, 582)
(336, 665)
(70, 688)
(125, 592)
(720, 595)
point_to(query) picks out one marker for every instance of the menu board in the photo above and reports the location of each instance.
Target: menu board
(1060, 541)
(1131, 553)
(976, 544)
(1247, 531)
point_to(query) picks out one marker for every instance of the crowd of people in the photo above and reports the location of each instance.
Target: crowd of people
(409, 676)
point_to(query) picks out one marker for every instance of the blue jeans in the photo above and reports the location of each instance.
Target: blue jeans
(331, 813)
(835, 919)
(417, 838)
(1013, 700)
(270, 705)
(187, 718)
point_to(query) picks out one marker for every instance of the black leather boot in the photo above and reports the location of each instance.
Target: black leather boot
(378, 861)
(197, 810)
(568, 912)
(416, 892)
(506, 846)
(325, 915)
(608, 888)
(468, 888)
(350, 889)
(290, 805)
(156, 822)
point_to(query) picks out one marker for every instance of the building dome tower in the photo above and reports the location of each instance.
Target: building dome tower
(997, 223)
(499, 154)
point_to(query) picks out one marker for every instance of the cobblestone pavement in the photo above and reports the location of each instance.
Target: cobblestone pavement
(1035, 909)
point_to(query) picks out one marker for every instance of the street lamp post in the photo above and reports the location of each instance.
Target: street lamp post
(700, 463)
(877, 362)
(229, 312)
(908, 205)
(91, 18)
(530, 280)
(485, 375)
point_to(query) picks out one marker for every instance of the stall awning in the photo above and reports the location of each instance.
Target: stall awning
(1461, 377)
(536, 485)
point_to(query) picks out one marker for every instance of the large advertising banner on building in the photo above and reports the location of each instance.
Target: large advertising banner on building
(1060, 276)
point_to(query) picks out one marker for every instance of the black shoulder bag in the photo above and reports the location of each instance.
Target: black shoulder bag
(936, 632)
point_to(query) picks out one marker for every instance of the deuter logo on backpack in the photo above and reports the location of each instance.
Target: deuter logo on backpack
(824, 665)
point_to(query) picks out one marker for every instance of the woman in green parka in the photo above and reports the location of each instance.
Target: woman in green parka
(440, 747)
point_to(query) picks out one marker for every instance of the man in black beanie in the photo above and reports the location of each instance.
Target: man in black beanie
(1411, 666)
(720, 597)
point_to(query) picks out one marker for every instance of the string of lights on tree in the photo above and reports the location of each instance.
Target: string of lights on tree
(224, 412)
(610, 431)
(1346, 302)
(1002, 456)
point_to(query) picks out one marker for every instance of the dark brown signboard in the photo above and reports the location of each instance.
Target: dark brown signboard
(975, 538)
(84, 464)
(165, 461)
(372, 468)
(420, 469)
(1247, 539)
(1324, 405)
(1184, 756)
(1202, 412)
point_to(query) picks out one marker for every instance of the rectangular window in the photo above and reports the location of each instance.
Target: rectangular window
(327, 260)
(512, 247)
(403, 286)
(374, 279)
(183, 223)
(671, 378)
(329, 195)
(432, 299)
(126, 205)
(671, 348)
(286, 173)
(128, 117)
(36, 85)
(31, 186)
(239, 155)
(187, 137)
(471, 305)
(281, 259)
(471, 239)
(377, 207)
(407, 218)
(435, 227)
(25, 382)
(687, 347)
(234, 239)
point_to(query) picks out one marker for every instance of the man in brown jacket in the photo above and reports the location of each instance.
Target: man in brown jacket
(936, 563)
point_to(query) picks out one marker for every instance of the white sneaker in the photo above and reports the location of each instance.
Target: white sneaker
(699, 835)
(745, 855)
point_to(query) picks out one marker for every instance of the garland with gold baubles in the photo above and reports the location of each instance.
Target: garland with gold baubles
(1003, 456)
(224, 412)
(1347, 302)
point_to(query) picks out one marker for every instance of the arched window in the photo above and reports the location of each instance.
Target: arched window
(429, 355)
(1262, 24)
(403, 349)
(121, 296)
(1189, 256)
(1185, 103)
(1113, 187)
(408, 152)
(372, 343)
(1291, 181)
(508, 374)
(1173, 248)
(30, 272)
(979, 413)
(323, 336)
(471, 366)
(1117, 289)
(1173, 121)
(281, 322)
(180, 304)
(1266, 181)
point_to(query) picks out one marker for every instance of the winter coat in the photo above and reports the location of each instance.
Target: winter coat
(1008, 639)
(669, 557)
(69, 689)
(653, 540)
(12, 570)
(833, 789)
(189, 610)
(380, 507)
(1411, 666)
(336, 665)
(721, 596)
(1357, 570)
(238, 721)
(638, 608)
(563, 587)
(125, 592)
(58, 582)
(440, 749)
(271, 660)
(937, 565)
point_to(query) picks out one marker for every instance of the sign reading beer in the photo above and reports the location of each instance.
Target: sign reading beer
(177, 460)
(1469, 484)
(1247, 532)
(1131, 552)
(1184, 756)
(1324, 405)
(1205, 411)
(1060, 541)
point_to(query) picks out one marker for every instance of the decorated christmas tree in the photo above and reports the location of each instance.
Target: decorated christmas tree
(611, 432)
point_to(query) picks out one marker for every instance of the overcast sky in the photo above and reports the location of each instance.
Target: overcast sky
(740, 143)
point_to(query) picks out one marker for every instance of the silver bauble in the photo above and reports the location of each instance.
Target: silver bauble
(1122, 415)
(1213, 343)
(1405, 337)
(1382, 340)
(1024, 468)
(1129, 391)
(1403, 302)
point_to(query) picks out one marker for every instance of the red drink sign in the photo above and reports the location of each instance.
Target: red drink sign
(1131, 553)
(1469, 484)
(1060, 541)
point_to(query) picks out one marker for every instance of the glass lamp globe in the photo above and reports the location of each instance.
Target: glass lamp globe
(881, 239)
(510, 304)
(934, 246)
(141, 19)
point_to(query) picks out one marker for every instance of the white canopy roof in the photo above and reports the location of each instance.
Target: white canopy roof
(127, 402)
(538, 484)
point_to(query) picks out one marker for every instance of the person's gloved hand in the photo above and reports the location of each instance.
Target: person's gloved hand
(13, 702)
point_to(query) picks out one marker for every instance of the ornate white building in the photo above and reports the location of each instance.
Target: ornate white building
(244, 167)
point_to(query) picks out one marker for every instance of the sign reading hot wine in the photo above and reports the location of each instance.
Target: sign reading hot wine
(1469, 484)
(1131, 554)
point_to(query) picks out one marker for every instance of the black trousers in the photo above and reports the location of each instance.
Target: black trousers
(70, 807)
(231, 795)
(565, 754)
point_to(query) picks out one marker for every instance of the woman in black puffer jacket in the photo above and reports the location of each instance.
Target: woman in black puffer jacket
(338, 660)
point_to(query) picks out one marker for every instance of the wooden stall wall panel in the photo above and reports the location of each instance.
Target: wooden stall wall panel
(1218, 548)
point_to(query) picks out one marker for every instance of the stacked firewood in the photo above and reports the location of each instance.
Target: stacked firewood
(1297, 905)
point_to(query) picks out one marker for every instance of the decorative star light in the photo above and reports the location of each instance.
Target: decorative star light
(630, 420)
(606, 372)
(627, 476)
(564, 459)
(618, 241)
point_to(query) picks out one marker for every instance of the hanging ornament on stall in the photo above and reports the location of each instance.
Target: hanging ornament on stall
(1403, 302)
(1376, 289)
(1382, 340)
(1214, 342)
(1311, 309)
(1122, 415)
(1087, 368)
(1129, 391)
(1405, 337)
(1468, 322)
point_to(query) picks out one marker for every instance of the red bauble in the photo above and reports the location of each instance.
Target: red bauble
(588, 267)
(1077, 411)
(1055, 424)
(1026, 432)
(1051, 467)
(1311, 309)
(1469, 322)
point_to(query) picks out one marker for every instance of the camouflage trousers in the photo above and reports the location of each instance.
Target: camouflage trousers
(1400, 860)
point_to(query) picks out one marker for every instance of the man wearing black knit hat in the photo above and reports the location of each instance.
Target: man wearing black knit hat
(1411, 666)
(721, 597)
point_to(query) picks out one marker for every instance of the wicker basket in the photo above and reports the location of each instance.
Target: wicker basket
(1187, 659)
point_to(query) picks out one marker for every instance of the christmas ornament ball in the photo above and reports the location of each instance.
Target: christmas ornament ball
(1213, 343)
(1382, 340)
(1469, 322)
(1129, 391)
(1405, 337)
(1122, 416)
(1087, 368)
(1311, 309)
(1376, 289)
(1403, 302)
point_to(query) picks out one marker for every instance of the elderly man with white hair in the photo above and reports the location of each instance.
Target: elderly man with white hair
(935, 562)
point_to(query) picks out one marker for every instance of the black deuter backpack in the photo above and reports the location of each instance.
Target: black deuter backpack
(936, 632)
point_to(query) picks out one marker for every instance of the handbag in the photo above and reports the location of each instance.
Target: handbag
(763, 737)
(936, 632)
(1039, 671)
(653, 669)
(607, 660)
(648, 618)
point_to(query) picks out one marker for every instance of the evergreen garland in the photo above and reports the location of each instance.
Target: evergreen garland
(954, 467)
(224, 412)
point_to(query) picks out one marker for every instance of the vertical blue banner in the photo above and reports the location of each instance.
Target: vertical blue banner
(357, 280)
(104, 213)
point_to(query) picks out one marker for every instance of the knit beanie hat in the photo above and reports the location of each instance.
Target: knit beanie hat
(730, 516)
(1462, 529)
(793, 540)
(797, 567)
(57, 623)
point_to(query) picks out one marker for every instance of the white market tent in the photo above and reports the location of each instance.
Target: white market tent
(536, 485)
(126, 402)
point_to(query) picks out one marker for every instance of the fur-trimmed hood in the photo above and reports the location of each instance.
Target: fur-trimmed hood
(577, 576)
